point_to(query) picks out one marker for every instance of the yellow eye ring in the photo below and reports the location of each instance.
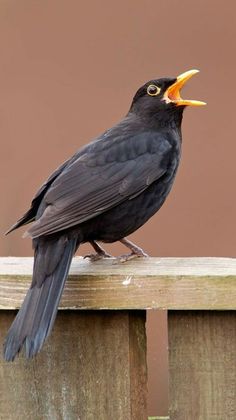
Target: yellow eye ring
(153, 90)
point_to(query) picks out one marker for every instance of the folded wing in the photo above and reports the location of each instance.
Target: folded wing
(100, 179)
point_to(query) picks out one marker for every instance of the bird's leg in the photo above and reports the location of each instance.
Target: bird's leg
(100, 252)
(136, 251)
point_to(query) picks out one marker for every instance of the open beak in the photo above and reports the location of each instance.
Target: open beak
(172, 94)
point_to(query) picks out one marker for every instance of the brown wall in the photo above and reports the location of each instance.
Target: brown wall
(68, 70)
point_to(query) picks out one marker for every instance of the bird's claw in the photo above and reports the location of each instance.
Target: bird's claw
(127, 257)
(97, 257)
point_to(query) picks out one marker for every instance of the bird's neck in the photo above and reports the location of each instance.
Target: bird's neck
(159, 120)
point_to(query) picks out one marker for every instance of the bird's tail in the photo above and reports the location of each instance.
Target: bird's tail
(36, 316)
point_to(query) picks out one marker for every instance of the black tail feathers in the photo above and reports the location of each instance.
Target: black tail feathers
(36, 316)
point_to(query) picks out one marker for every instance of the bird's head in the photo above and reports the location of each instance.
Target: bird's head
(160, 99)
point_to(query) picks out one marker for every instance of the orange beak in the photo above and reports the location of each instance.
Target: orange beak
(172, 94)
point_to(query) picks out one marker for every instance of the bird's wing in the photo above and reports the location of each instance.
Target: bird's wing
(104, 176)
(30, 215)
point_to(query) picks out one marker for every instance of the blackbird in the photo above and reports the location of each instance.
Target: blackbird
(106, 191)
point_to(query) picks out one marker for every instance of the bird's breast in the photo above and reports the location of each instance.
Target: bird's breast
(128, 216)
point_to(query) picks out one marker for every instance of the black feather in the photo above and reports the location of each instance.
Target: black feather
(36, 316)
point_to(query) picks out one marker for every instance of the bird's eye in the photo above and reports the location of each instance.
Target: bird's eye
(153, 90)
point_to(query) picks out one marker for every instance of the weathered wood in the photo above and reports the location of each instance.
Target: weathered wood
(202, 357)
(92, 367)
(159, 418)
(169, 283)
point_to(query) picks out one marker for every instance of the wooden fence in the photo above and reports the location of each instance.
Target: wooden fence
(93, 367)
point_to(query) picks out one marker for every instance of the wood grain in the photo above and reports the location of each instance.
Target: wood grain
(92, 367)
(202, 365)
(169, 283)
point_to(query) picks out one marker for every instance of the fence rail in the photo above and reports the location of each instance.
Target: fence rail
(94, 364)
(153, 283)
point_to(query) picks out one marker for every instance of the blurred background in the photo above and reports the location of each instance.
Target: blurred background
(68, 71)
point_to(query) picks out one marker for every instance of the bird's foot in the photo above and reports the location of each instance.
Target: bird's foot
(100, 253)
(98, 256)
(127, 257)
(136, 252)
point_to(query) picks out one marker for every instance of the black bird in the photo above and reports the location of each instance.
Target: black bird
(106, 191)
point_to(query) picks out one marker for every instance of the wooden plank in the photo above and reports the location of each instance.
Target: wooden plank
(159, 418)
(202, 365)
(93, 367)
(169, 283)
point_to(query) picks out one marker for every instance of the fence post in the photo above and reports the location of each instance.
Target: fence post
(202, 360)
(92, 367)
